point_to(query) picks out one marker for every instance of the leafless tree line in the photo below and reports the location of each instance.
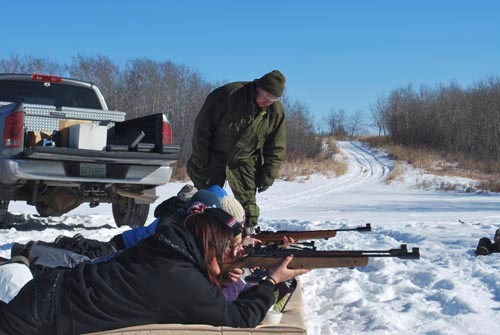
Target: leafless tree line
(447, 117)
(144, 86)
(301, 139)
(340, 124)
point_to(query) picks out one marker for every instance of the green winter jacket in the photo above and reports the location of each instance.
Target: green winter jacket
(232, 130)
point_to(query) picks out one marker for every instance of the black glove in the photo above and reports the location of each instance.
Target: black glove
(262, 188)
(251, 226)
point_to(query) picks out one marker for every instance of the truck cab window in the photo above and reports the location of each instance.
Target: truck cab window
(60, 95)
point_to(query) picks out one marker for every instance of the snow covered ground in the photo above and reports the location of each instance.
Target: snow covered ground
(447, 291)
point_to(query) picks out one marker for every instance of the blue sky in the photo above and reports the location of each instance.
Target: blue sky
(335, 54)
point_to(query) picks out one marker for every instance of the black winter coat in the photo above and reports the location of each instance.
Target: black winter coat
(161, 280)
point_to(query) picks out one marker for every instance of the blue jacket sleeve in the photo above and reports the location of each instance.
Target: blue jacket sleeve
(133, 236)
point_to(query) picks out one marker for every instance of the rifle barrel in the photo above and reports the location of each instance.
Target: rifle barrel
(299, 235)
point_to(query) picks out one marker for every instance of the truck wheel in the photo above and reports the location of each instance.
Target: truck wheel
(129, 213)
(45, 211)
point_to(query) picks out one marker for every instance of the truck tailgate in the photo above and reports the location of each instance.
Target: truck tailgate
(169, 156)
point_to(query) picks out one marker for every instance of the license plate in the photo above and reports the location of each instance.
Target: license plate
(92, 170)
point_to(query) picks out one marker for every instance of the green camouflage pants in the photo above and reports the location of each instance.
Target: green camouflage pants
(241, 180)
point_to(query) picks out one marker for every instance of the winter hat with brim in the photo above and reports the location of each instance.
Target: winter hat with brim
(217, 190)
(272, 82)
(233, 207)
(186, 192)
(221, 215)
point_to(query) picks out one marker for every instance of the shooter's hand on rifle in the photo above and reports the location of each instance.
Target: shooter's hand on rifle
(232, 276)
(250, 241)
(282, 273)
(286, 242)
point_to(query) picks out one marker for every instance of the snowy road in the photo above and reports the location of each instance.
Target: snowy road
(366, 169)
(447, 291)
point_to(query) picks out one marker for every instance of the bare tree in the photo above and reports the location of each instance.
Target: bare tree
(101, 71)
(336, 123)
(28, 64)
(356, 123)
(378, 111)
(301, 139)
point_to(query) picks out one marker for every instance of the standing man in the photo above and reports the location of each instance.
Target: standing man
(239, 134)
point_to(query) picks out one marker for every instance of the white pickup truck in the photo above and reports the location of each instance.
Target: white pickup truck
(61, 147)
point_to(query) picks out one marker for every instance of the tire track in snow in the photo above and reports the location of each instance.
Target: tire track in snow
(366, 168)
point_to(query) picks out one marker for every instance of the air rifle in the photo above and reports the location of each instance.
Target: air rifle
(268, 237)
(310, 258)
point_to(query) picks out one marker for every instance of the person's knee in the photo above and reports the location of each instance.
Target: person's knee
(13, 276)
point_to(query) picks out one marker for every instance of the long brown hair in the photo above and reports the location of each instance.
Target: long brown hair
(213, 237)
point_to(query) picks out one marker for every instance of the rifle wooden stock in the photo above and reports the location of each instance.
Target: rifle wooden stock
(298, 262)
(277, 236)
(315, 259)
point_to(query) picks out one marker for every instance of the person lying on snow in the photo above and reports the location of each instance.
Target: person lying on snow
(67, 252)
(16, 272)
(173, 276)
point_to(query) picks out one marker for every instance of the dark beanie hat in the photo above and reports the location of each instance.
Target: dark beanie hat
(205, 197)
(272, 82)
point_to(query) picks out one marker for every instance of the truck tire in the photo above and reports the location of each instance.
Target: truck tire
(45, 211)
(128, 213)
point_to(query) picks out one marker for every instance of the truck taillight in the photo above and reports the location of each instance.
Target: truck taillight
(45, 78)
(167, 133)
(14, 129)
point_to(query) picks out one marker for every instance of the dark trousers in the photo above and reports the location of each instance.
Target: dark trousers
(33, 310)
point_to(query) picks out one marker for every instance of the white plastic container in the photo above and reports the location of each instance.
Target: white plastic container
(87, 136)
(273, 318)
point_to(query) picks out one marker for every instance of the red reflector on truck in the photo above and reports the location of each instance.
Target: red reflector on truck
(167, 133)
(14, 129)
(46, 78)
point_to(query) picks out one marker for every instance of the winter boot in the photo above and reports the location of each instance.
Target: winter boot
(15, 259)
(483, 247)
(496, 240)
(18, 249)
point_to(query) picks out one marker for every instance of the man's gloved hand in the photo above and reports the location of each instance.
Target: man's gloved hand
(250, 225)
(262, 187)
